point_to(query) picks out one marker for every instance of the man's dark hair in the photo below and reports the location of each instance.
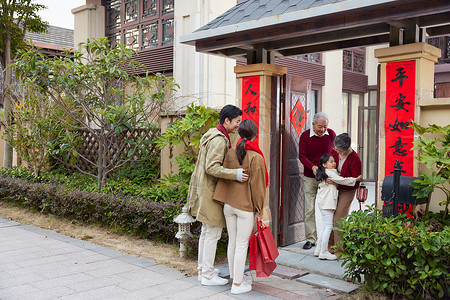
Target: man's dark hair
(229, 111)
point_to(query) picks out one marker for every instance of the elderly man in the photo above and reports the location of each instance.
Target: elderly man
(313, 144)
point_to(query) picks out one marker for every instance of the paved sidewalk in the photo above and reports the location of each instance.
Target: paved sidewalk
(41, 264)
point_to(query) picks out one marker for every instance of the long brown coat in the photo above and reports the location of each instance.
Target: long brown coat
(249, 195)
(212, 149)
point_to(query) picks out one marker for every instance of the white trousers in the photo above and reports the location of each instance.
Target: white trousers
(240, 226)
(327, 224)
(207, 245)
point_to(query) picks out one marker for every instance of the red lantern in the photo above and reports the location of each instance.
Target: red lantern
(361, 194)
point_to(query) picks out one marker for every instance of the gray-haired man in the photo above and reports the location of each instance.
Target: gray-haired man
(313, 144)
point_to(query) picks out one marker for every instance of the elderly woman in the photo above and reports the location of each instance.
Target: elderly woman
(348, 165)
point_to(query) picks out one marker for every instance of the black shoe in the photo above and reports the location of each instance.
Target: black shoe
(308, 245)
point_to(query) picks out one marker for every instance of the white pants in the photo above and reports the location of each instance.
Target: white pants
(240, 227)
(327, 224)
(207, 245)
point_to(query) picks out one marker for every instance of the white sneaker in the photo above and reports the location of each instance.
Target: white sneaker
(216, 272)
(243, 288)
(318, 248)
(216, 280)
(327, 255)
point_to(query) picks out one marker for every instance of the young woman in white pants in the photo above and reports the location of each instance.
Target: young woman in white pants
(242, 200)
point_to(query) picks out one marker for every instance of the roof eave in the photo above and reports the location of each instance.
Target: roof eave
(190, 39)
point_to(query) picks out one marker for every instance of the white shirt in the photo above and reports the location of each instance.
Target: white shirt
(327, 194)
(312, 133)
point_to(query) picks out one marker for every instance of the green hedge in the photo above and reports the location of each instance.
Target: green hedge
(133, 215)
(398, 256)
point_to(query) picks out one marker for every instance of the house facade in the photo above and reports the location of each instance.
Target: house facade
(343, 82)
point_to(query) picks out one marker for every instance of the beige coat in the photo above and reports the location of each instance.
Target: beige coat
(212, 149)
(327, 194)
(249, 195)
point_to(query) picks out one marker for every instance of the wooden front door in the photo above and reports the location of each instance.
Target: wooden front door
(295, 115)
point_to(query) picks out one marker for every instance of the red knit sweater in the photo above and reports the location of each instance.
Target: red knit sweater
(310, 149)
(350, 168)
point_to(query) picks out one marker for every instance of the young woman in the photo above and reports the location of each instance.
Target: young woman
(327, 196)
(242, 200)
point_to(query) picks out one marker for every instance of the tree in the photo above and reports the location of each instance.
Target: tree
(187, 131)
(16, 18)
(33, 128)
(95, 95)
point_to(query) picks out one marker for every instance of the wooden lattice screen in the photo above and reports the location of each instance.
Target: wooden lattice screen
(116, 146)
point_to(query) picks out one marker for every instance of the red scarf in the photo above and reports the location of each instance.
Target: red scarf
(222, 129)
(251, 145)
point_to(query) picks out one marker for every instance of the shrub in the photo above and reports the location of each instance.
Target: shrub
(133, 215)
(398, 256)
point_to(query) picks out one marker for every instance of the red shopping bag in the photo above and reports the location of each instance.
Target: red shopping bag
(267, 243)
(262, 264)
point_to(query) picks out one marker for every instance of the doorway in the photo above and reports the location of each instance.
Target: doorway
(295, 114)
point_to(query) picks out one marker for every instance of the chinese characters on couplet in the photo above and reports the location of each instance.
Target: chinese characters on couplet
(250, 109)
(249, 89)
(398, 165)
(251, 99)
(399, 76)
(398, 147)
(400, 110)
(400, 102)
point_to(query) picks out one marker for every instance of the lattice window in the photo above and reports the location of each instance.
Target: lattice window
(354, 60)
(131, 11)
(150, 35)
(131, 38)
(150, 8)
(113, 15)
(167, 37)
(141, 25)
(168, 7)
(114, 39)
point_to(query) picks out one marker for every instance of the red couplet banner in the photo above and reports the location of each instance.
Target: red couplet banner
(400, 106)
(251, 99)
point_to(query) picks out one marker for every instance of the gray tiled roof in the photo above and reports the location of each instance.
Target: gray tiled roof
(249, 10)
(55, 36)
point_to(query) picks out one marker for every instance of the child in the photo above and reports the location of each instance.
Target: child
(242, 201)
(327, 196)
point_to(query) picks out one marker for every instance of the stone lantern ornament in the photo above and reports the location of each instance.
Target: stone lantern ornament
(184, 221)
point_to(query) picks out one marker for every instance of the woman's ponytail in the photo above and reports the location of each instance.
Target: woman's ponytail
(241, 151)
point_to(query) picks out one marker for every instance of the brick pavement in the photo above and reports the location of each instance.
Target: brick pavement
(41, 264)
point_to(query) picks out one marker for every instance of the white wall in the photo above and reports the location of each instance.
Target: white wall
(372, 63)
(89, 21)
(332, 90)
(204, 79)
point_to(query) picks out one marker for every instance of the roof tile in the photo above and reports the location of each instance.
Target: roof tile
(55, 36)
(249, 10)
